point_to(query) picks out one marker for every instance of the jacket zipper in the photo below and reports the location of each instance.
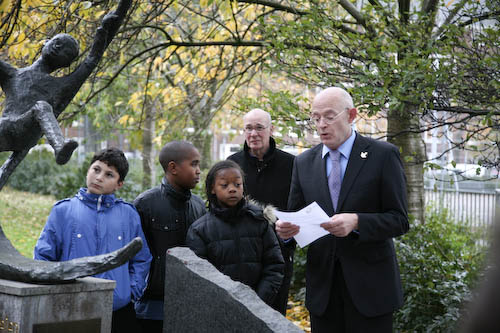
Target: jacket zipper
(98, 243)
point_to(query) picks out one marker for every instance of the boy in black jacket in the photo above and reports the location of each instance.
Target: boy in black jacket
(166, 213)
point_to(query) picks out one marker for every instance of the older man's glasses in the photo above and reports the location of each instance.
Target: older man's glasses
(327, 119)
(258, 128)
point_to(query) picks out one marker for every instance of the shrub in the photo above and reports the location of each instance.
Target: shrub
(298, 283)
(132, 186)
(36, 173)
(440, 263)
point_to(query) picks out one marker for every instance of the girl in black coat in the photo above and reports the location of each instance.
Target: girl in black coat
(234, 235)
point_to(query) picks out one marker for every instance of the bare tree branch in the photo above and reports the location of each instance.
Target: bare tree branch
(458, 109)
(451, 16)
(349, 7)
(8, 22)
(487, 16)
(275, 5)
(292, 10)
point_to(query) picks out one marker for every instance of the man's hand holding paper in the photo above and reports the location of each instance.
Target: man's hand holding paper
(303, 225)
(341, 225)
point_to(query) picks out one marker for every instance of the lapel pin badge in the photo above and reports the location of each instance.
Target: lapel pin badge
(364, 154)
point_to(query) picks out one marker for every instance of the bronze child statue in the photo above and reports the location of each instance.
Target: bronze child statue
(34, 98)
(33, 101)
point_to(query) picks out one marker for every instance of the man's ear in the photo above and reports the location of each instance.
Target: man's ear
(120, 184)
(352, 114)
(172, 167)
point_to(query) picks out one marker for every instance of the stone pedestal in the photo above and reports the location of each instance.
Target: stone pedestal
(85, 305)
(199, 298)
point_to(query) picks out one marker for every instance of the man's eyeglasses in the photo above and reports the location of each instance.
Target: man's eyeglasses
(328, 119)
(258, 128)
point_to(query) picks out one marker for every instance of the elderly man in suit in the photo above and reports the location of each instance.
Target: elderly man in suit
(352, 277)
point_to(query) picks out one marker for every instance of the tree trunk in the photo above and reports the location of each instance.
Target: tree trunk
(148, 133)
(92, 138)
(203, 143)
(402, 130)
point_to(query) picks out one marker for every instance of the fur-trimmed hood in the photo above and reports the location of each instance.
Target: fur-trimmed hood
(267, 210)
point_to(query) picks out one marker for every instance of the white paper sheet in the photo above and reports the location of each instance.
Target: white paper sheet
(308, 218)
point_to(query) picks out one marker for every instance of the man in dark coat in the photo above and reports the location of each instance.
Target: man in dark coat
(268, 172)
(352, 275)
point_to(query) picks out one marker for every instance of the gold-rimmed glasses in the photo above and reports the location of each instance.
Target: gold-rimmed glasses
(259, 128)
(327, 119)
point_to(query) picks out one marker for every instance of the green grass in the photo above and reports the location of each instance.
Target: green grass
(22, 216)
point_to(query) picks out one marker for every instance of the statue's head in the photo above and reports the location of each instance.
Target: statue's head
(60, 50)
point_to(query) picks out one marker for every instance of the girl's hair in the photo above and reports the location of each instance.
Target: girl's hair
(212, 174)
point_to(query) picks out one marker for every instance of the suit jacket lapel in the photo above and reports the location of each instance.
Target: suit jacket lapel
(322, 182)
(356, 162)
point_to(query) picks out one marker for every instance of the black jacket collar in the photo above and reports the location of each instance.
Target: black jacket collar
(269, 155)
(233, 214)
(169, 190)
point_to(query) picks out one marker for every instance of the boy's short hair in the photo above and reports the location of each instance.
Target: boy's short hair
(113, 157)
(212, 173)
(174, 151)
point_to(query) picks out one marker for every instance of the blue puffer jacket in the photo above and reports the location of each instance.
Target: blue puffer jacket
(89, 225)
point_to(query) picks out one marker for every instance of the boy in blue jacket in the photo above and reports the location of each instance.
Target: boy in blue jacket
(95, 222)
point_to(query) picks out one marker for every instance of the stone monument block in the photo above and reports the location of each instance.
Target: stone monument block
(84, 306)
(199, 298)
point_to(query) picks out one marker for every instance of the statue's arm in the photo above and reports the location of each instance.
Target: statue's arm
(14, 266)
(104, 34)
(6, 70)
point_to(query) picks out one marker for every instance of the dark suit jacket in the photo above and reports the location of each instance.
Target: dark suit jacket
(374, 187)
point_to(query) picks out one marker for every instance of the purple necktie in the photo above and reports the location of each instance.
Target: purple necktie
(334, 178)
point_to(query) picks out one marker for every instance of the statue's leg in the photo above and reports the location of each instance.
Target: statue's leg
(44, 115)
(10, 165)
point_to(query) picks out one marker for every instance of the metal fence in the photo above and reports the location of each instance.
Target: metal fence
(475, 208)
